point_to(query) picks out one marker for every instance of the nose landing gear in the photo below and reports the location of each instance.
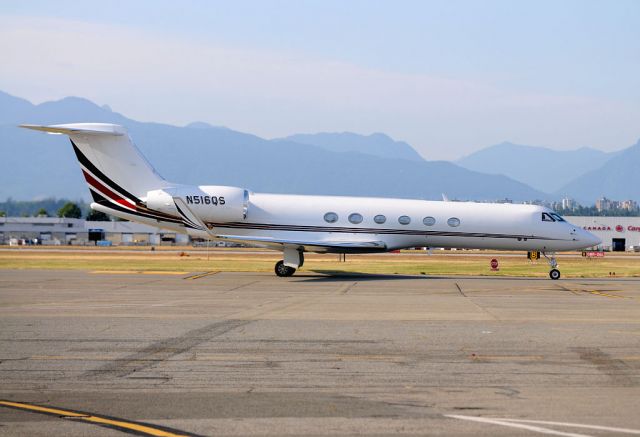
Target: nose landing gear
(554, 273)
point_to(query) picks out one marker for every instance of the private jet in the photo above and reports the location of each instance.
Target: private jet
(123, 183)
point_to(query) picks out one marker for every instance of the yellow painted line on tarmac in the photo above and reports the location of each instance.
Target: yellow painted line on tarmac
(136, 272)
(40, 409)
(595, 292)
(202, 275)
(600, 293)
(613, 331)
(508, 357)
(119, 424)
(70, 358)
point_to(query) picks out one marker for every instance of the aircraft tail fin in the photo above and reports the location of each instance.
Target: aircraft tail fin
(111, 164)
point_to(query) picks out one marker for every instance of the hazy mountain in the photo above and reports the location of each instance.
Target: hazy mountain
(618, 178)
(11, 106)
(39, 165)
(375, 144)
(538, 167)
(203, 125)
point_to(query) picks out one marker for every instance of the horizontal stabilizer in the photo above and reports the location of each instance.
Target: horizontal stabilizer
(79, 128)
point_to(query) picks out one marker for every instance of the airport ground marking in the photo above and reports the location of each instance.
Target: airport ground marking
(138, 272)
(507, 423)
(533, 425)
(139, 428)
(202, 275)
(578, 425)
(594, 292)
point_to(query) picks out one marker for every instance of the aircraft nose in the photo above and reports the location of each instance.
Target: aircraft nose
(590, 239)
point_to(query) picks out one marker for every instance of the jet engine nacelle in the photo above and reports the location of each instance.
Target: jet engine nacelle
(210, 203)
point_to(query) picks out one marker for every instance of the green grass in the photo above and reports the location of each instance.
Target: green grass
(437, 264)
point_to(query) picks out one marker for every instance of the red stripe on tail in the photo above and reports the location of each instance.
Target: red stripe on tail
(107, 192)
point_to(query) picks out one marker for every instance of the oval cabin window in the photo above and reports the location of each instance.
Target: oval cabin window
(404, 220)
(453, 222)
(355, 218)
(379, 219)
(429, 221)
(331, 217)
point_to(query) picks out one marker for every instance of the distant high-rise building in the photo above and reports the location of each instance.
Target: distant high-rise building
(568, 203)
(629, 205)
(604, 204)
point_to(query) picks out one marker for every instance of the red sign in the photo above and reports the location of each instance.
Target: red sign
(494, 264)
(592, 254)
(619, 228)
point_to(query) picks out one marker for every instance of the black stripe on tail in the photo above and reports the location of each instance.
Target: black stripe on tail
(106, 180)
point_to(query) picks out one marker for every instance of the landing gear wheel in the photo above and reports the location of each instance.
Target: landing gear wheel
(554, 273)
(284, 271)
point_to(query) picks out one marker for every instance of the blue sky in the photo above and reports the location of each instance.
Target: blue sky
(449, 77)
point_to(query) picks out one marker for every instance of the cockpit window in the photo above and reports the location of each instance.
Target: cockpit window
(546, 217)
(556, 216)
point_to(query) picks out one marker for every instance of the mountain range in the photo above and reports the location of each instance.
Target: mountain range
(540, 167)
(35, 165)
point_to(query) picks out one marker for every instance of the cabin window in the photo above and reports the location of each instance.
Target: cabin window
(331, 217)
(429, 221)
(546, 217)
(556, 216)
(379, 219)
(453, 222)
(355, 218)
(404, 219)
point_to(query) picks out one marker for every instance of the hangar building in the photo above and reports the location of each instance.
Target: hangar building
(616, 233)
(65, 231)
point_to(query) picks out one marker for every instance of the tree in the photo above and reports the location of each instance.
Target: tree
(42, 213)
(97, 216)
(70, 210)
(3, 214)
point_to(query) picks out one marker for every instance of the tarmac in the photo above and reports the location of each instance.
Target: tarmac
(214, 353)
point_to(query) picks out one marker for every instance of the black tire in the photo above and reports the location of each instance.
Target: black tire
(284, 271)
(554, 274)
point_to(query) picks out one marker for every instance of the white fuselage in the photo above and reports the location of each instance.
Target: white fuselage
(300, 217)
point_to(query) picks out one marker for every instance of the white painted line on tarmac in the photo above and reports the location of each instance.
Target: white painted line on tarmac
(502, 422)
(521, 423)
(578, 425)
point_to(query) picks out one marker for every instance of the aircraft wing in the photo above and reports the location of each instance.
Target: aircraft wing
(191, 220)
(324, 246)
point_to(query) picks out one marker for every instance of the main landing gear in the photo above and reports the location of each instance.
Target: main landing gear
(554, 273)
(284, 271)
(293, 260)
